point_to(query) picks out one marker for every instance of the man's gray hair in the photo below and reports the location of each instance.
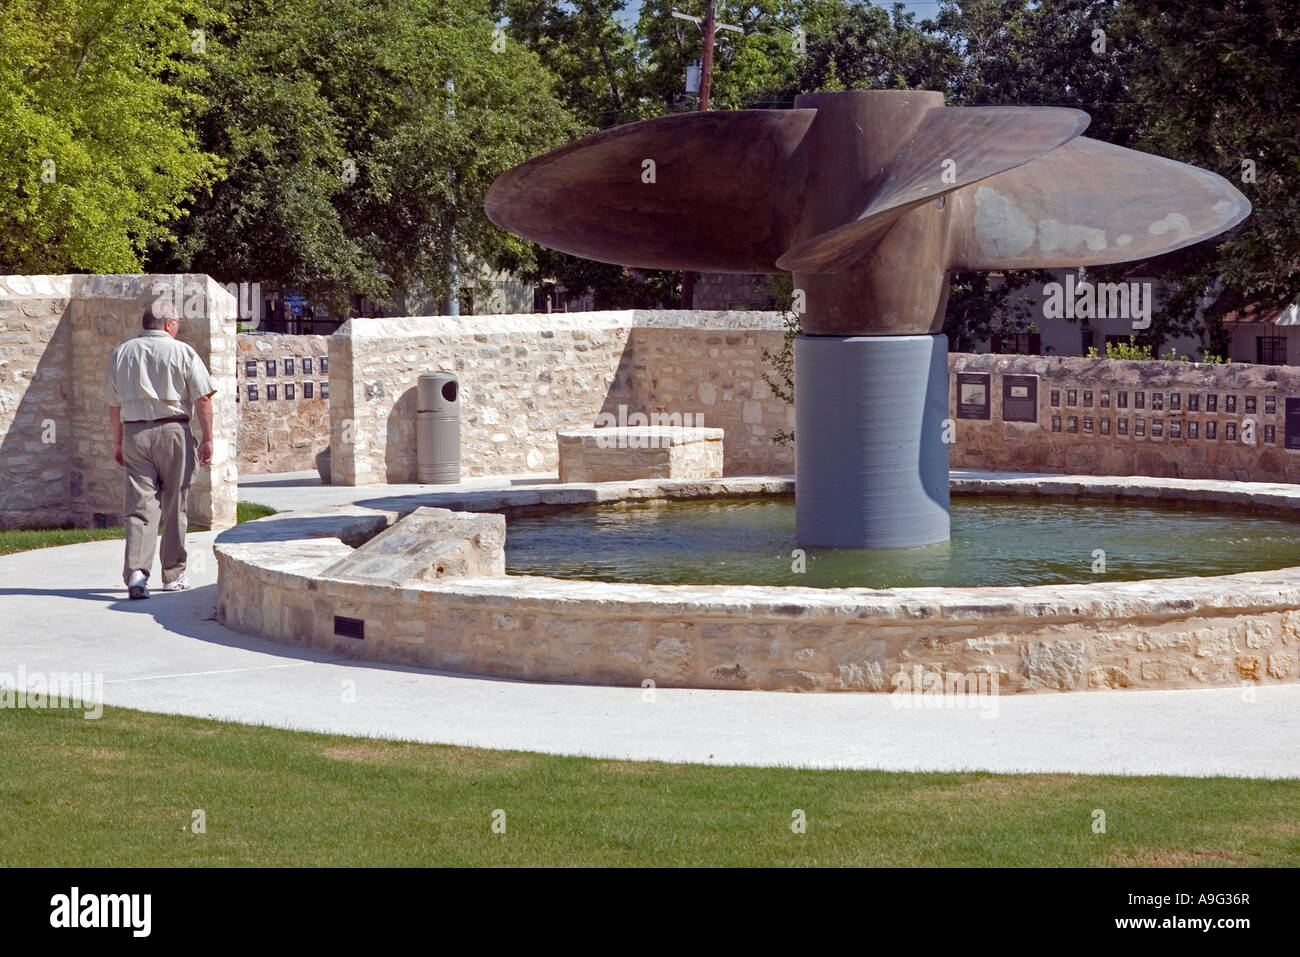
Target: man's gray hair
(158, 312)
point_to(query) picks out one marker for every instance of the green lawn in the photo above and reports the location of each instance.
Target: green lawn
(122, 791)
(20, 540)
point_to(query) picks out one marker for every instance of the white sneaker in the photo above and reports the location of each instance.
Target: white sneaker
(181, 583)
(136, 585)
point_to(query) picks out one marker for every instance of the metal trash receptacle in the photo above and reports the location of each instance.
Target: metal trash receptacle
(437, 428)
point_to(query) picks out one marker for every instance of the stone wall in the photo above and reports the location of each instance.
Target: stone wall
(56, 443)
(1100, 417)
(524, 377)
(282, 430)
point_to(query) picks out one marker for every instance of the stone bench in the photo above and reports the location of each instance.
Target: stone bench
(630, 453)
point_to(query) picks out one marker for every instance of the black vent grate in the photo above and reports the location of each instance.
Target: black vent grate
(349, 627)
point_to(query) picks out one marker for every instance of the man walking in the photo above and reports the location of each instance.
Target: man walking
(153, 385)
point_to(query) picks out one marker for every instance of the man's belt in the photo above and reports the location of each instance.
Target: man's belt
(175, 418)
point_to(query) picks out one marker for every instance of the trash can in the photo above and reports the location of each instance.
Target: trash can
(437, 428)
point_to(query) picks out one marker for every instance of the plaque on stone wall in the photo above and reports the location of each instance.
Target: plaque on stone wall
(1193, 402)
(1072, 424)
(1157, 428)
(324, 390)
(250, 368)
(1211, 405)
(1270, 434)
(1230, 404)
(1105, 426)
(288, 390)
(270, 367)
(1139, 426)
(288, 368)
(1121, 399)
(1292, 424)
(1157, 401)
(1121, 426)
(1251, 405)
(1193, 430)
(1270, 405)
(1230, 432)
(270, 393)
(973, 395)
(1056, 397)
(308, 389)
(1105, 398)
(1211, 431)
(1020, 398)
(252, 394)
(306, 365)
(1056, 423)
(1071, 396)
(324, 365)
(1175, 429)
(1175, 401)
(1087, 397)
(1139, 400)
(1087, 425)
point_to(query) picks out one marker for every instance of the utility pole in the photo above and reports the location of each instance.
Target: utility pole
(709, 26)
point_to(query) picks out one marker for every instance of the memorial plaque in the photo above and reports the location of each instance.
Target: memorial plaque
(1105, 426)
(1211, 430)
(1056, 397)
(1230, 404)
(1175, 401)
(270, 393)
(1087, 425)
(1157, 401)
(1139, 426)
(1121, 426)
(1211, 404)
(308, 389)
(1020, 398)
(1157, 428)
(1193, 402)
(973, 395)
(270, 368)
(288, 368)
(288, 390)
(1251, 405)
(1270, 405)
(1175, 429)
(1056, 423)
(1193, 430)
(1071, 396)
(1230, 432)
(1087, 397)
(1121, 400)
(1105, 398)
(1139, 400)
(1072, 424)
(1292, 434)
(306, 365)
(1270, 434)
(324, 365)
(252, 397)
(250, 368)
(324, 390)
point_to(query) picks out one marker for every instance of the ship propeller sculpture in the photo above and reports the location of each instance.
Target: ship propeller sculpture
(871, 200)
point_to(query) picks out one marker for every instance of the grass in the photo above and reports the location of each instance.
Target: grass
(21, 540)
(122, 791)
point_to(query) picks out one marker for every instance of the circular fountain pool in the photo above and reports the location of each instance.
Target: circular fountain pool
(995, 542)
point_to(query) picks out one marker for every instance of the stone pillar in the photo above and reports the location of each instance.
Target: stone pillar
(871, 464)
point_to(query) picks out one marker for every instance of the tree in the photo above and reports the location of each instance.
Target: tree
(361, 137)
(97, 150)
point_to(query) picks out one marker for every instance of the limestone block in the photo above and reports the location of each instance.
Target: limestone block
(428, 545)
(627, 454)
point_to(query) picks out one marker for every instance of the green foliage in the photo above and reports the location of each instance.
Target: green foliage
(1130, 350)
(97, 147)
(353, 165)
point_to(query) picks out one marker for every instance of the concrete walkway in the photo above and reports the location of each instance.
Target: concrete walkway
(65, 610)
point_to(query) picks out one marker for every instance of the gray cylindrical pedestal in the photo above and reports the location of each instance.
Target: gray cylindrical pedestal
(871, 464)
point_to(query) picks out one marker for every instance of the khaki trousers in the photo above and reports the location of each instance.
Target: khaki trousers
(159, 463)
